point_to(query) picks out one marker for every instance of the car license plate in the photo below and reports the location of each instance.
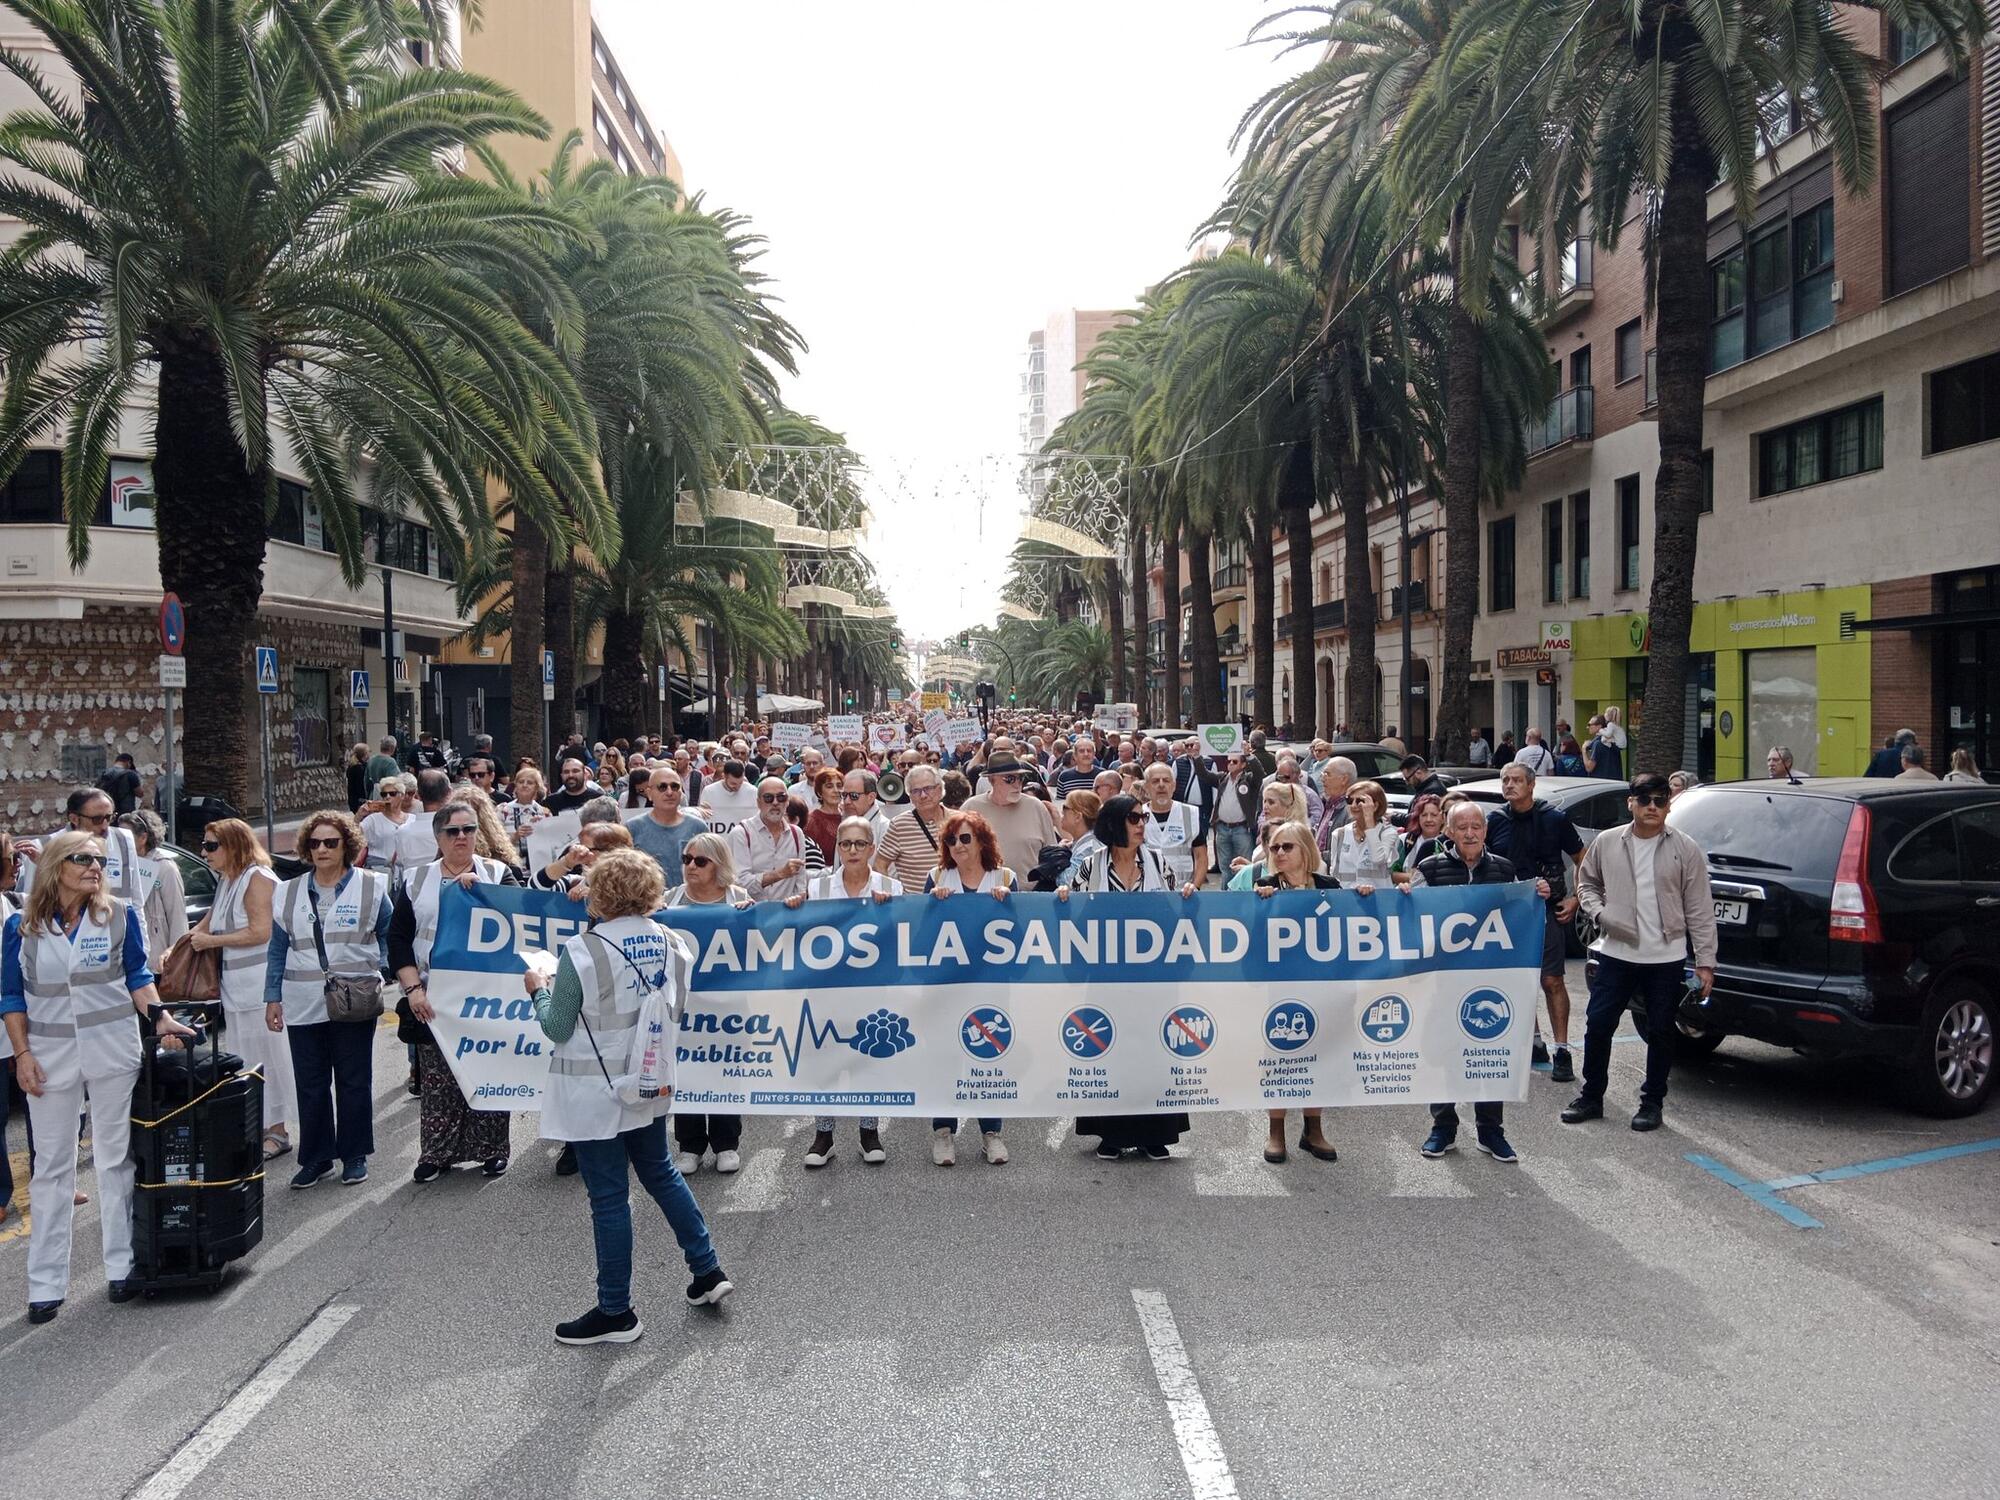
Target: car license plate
(1736, 913)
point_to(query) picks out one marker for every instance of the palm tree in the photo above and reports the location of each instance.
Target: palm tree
(1074, 657)
(243, 209)
(1664, 101)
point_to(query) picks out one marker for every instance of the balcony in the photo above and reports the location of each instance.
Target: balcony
(1329, 616)
(1568, 420)
(1229, 643)
(1575, 271)
(1420, 599)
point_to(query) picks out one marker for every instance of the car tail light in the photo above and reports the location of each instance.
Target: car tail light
(1854, 917)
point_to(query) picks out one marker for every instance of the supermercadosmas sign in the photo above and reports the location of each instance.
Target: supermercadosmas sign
(1031, 1006)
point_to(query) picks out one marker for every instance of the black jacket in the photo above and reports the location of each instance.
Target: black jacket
(1249, 787)
(1321, 881)
(1448, 869)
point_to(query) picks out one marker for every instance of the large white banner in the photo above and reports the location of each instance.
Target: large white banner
(1032, 1006)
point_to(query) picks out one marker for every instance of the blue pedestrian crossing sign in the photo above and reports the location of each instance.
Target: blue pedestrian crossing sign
(267, 669)
(357, 689)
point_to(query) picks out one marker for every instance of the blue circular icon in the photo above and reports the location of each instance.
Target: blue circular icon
(1290, 1025)
(986, 1032)
(1485, 1014)
(1385, 1019)
(1087, 1032)
(1187, 1031)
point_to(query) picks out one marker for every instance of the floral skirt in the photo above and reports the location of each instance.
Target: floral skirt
(452, 1130)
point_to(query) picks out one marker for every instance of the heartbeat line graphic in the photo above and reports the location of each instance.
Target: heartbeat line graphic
(879, 1034)
(810, 1032)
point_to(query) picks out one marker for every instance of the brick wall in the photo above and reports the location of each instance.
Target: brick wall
(75, 693)
(1900, 663)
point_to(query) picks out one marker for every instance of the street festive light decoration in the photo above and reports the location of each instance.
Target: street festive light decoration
(1076, 503)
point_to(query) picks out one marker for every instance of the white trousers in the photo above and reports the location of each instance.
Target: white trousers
(260, 1047)
(52, 1190)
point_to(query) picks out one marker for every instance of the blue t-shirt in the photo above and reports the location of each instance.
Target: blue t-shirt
(666, 844)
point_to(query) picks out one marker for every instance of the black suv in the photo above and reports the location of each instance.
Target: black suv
(1856, 917)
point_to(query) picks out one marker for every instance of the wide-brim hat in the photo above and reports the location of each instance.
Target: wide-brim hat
(1001, 765)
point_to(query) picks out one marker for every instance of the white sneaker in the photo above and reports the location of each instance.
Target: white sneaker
(941, 1147)
(995, 1149)
(686, 1163)
(728, 1161)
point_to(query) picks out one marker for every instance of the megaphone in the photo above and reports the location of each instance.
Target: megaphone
(889, 786)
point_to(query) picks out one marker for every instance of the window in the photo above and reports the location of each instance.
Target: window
(1552, 552)
(1777, 288)
(1929, 161)
(288, 521)
(1833, 445)
(1929, 854)
(1285, 606)
(1325, 583)
(1500, 564)
(1628, 532)
(601, 123)
(1631, 358)
(1979, 845)
(1783, 704)
(312, 716)
(1707, 481)
(1579, 366)
(34, 493)
(1964, 405)
(1906, 42)
(1579, 546)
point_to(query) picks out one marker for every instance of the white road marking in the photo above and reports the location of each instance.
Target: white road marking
(758, 1186)
(1201, 1450)
(1058, 1133)
(1417, 1177)
(1234, 1166)
(199, 1451)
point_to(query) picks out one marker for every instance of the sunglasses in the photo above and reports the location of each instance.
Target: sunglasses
(852, 796)
(458, 831)
(771, 797)
(699, 861)
(854, 844)
(961, 838)
(209, 846)
(1137, 817)
(333, 843)
(1007, 778)
(86, 859)
(1283, 848)
(97, 820)
(1654, 799)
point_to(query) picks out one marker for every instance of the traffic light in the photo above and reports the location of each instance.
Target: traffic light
(895, 643)
(850, 700)
(965, 640)
(1013, 697)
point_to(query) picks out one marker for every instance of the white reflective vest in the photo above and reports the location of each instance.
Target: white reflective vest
(1175, 838)
(424, 885)
(951, 880)
(579, 1102)
(831, 885)
(348, 930)
(678, 896)
(81, 1024)
(242, 968)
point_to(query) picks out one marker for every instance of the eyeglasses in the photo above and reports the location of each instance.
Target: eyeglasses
(773, 797)
(852, 796)
(209, 846)
(699, 861)
(854, 844)
(481, 775)
(87, 859)
(1284, 848)
(1653, 799)
(925, 790)
(961, 838)
(1137, 817)
(333, 843)
(459, 831)
(1007, 778)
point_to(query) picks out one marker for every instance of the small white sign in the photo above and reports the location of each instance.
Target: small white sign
(935, 720)
(956, 732)
(790, 736)
(1556, 635)
(844, 729)
(885, 736)
(173, 672)
(895, 695)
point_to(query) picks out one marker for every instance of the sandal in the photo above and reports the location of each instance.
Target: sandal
(276, 1146)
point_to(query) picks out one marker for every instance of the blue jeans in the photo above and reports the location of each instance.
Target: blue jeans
(334, 1064)
(602, 1164)
(1486, 1115)
(1612, 986)
(1233, 841)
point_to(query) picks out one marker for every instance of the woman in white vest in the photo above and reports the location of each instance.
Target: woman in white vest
(452, 1131)
(10, 863)
(590, 1010)
(162, 895)
(853, 879)
(73, 982)
(708, 878)
(968, 861)
(239, 924)
(332, 921)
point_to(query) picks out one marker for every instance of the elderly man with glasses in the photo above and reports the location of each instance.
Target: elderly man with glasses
(664, 832)
(88, 810)
(1021, 824)
(858, 799)
(909, 849)
(768, 850)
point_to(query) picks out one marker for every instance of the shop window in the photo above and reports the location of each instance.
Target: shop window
(33, 496)
(1964, 405)
(1832, 445)
(312, 716)
(1552, 552)
(1783, 705)
(1628, 532)
(1579, 545)
(1500, 564)
(1631, 356)
(1777, 288)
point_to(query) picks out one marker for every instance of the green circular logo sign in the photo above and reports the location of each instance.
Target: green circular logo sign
(1635, 629)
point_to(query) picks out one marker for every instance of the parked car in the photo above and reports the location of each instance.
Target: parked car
(1593, 804)
(199, 881)
(1856, 917)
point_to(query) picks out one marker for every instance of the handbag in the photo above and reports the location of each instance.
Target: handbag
(349, 997)
(190, 975)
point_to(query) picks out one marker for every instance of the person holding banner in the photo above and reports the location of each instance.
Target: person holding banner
(451, 1131)
(590, 1008)
(524, 810)
(968, 860)
(1295, 867)
(853, 879)
(239, 924)
(708, 878)
(1363, 849)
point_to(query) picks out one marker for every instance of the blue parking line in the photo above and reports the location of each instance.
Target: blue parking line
(1883, 1164)
(1763, 1194)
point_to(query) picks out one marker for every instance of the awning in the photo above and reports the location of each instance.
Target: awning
(769, 703)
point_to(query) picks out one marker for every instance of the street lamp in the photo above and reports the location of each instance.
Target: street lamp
(372, 547)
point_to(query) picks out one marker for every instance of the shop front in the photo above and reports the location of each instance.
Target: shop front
(1780, 669)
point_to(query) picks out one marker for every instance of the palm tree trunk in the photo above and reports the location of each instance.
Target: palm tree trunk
(719, 701)
(559, 615)
(1114, 616)
(1362, 608)
(1299, 562)
(1207, 658)
(1464, 378)
(1170, 596)
(524, 718)
(211, 536)
(1263, 617)
(625, 706)
(1141, 674)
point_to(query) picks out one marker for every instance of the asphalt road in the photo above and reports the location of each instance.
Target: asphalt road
(1608, 1318)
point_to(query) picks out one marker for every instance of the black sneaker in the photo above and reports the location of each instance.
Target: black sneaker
(1582, 1108)
(354, 1173)
(1561, 1070)
(416, 1088)
(305, 1177)
(600, 1327)
(122, 1291)
(1540, 1055)
(1648, 1117)
(43, 1312)
(709, 1288)
(1107, 1153)
(497, 1167)
(427, 1171)
(566, 1162)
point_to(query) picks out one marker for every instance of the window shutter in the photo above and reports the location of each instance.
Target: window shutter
(1930, 230)
(1989, 137)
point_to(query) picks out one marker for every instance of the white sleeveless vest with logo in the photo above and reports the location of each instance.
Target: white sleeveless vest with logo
(347, 928)
(242, 968)
(830, 885)
(424, 885)
(578, 1102)
(81, 1023)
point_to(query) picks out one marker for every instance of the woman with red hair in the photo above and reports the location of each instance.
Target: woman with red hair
(968, 860)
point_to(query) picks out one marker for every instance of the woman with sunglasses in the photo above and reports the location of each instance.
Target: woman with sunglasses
(1363, 848)
(1126, 863)
(330, 922)
(239, 924)
(708, 878)
(382, 827)
(1280, 803)
(73, 982)
(968, 860)
(451, 1130)
(1294, 866)
(162, 894)
(853, 879)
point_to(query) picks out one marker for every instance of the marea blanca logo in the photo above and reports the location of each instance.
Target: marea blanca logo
(1386, 1019)
(881, 1033)
(1289, 1025)
(1485, 1014)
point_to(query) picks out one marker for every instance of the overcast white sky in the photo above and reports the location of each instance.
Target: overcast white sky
(936, 179)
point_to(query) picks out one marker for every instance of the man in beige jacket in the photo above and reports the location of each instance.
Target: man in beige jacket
(1646, 888)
